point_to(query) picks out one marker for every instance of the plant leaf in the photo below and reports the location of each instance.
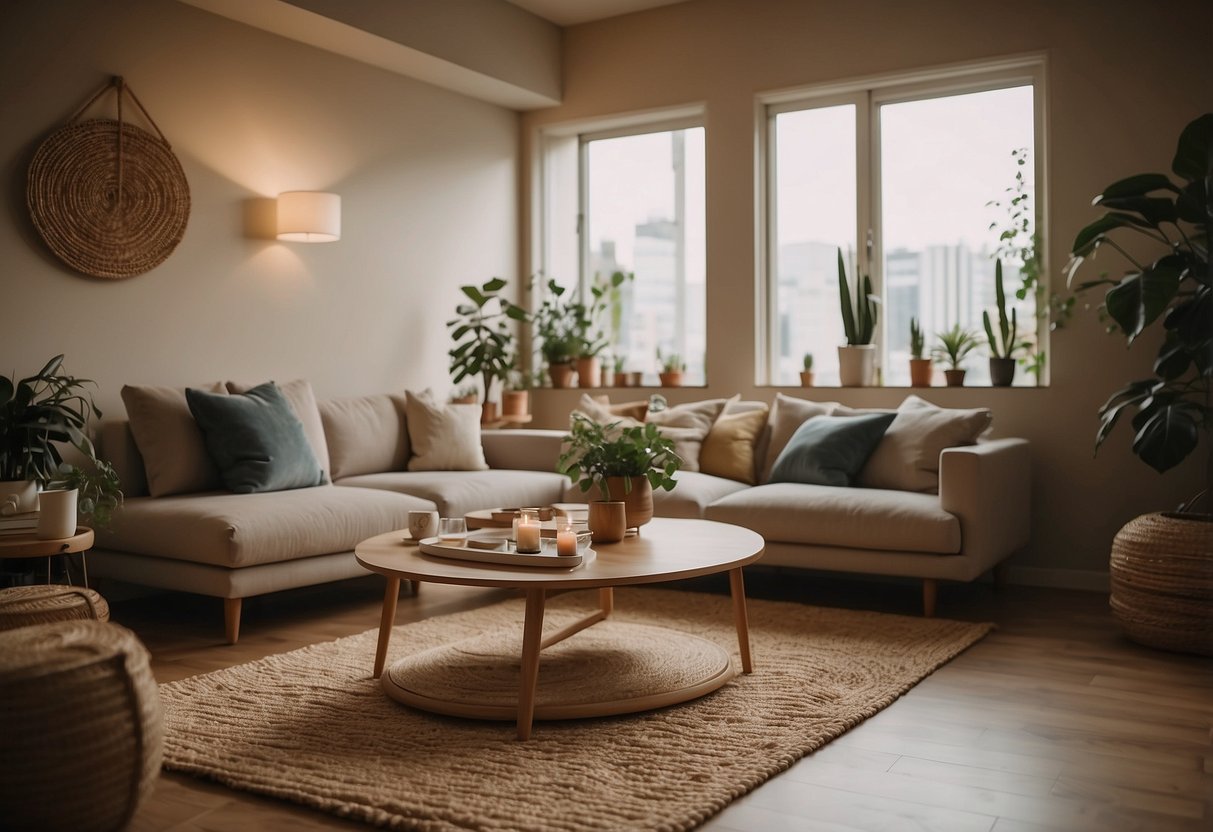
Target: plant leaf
(1139, 185)
(1139, 299)
(1191, 160)
(1167, 432)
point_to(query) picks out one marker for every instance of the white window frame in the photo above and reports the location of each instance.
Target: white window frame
(868, 95)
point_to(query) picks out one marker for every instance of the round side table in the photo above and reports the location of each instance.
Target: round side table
(28, 546)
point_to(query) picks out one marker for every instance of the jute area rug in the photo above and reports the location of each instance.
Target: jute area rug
(313, 727)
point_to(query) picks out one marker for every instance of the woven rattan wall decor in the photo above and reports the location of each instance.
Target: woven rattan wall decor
(110, 199)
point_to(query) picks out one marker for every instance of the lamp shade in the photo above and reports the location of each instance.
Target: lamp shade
(309, 217)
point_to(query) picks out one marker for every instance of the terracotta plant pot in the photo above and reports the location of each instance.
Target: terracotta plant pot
(1002, 371)
(635, 379)
(489, 412)
(806, 378)
(955, 378)
(561, 375)
(589, 372)
(671, 379)
(515, 402)
(607, 521)
(857, 365)
(639, 500)
(920, 372)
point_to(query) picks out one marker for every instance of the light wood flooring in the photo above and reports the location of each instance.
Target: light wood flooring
(1053, 722)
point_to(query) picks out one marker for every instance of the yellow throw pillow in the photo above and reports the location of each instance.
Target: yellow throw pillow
(728, 450)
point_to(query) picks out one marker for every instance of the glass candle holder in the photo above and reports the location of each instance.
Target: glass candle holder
(566, 538)
(526, 532)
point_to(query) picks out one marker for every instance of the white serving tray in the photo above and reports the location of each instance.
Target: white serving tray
(505, 555)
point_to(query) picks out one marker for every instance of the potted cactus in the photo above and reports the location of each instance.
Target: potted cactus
(806, 375)
(856, 360)
(920, 366)
(1002, 350)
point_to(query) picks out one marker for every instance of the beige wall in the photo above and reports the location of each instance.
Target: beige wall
(428, 180)
(1123, 79)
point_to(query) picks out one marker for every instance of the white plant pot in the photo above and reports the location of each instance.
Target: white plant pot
(57, 514)
(856, 365)
(18, 497)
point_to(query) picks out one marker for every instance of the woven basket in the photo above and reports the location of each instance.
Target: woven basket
(1162, 582)
(83, 736)
(23, 606)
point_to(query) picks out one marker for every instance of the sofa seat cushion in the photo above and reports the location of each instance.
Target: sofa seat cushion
(237, 530)
(827, 515)
(694, 493)
(455, 493)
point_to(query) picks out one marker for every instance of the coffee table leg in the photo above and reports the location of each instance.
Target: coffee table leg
(606, 600)
(737, 586)
(390, 593)
(532, 635)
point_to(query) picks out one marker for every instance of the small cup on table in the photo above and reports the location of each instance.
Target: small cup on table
(452, 531)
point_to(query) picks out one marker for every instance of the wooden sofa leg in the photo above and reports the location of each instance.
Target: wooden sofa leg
(231, 618)
(930, 587)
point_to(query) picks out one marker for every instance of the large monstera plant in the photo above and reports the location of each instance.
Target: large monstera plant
(1173, 287)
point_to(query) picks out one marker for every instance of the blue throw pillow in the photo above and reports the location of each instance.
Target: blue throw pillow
(830, 450)
(255, 440)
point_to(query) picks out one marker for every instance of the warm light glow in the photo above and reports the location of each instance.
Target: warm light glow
(309, 217)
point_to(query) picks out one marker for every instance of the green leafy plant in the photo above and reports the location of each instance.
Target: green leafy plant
(1008, 328)
(1174, 289)
(592, 452)
(39, 415)
(918, 341)
(954, 346)
(858, 318)
(671, 363)
(99, 493)
(483, 341)
(808, 362)
(555, 323)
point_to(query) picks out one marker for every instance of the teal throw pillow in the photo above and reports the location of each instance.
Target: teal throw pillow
(830, 450)
(255, 440)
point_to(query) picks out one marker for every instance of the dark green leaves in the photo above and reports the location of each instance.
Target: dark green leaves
(1138, 300)
(592, 452)
(1192, 159)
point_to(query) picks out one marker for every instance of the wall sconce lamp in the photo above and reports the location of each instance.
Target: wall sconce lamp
(309, 217)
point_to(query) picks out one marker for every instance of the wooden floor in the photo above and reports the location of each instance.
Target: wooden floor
(1053, 722)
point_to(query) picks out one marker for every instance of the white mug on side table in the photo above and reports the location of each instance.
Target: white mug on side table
(423, 524)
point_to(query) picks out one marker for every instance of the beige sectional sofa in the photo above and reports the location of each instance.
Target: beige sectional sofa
(234, 546)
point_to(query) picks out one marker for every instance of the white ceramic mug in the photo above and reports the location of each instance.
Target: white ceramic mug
(423, 524)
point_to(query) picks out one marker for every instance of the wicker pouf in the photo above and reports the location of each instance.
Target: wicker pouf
(83, 735)
(22, 606)
(1162, 582)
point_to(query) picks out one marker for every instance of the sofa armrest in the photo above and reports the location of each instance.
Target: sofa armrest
(522, 450)
(988, 486)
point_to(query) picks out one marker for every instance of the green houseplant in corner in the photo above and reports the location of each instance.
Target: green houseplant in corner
(954, 347)
(856, 360)
(1162, 580)
(625, 464)
(1002, 350)
(483, 341)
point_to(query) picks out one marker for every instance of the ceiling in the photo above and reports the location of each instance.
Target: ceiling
(572, 12)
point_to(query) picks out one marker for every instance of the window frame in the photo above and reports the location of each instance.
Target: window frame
(868, 94)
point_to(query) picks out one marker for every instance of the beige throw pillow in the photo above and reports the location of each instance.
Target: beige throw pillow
(907, 458)
(169, 440)
(444, 437)
(299, 396)
(687, 425)
(787, 414)
(365, 434)
(728, 450)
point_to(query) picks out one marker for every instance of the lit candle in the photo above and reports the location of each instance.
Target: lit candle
(527, 535)
(566, 539)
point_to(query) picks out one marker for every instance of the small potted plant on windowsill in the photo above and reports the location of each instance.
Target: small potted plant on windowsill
(465, 394)
(516, 398)
(954, 347)
(920, 367)
(1002, 351)
(625, 464)
(856, 360)
(806, 375)
(672, 368)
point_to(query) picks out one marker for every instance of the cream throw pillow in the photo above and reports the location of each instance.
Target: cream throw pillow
(728, 450)
(907, 458)
(687, 425)
(444, 437)
(787, 414)
(366, 434)
(169, 440)
(299, 396)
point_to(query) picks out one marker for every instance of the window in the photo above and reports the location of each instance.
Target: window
(914, 180)
(632, 200)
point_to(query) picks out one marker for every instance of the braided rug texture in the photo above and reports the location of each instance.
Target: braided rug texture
(312, 726)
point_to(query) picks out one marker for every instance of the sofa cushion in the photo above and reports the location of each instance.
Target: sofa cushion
(303, 401)
(787, 414)
(444, 437)
(365, 434)
(255, 440)
(827, 515)
(237, 530)
(728, 450)
(687, 425)
(694, 493)
(830, 450)
(907, 458)
(455, 493)
(169, 440)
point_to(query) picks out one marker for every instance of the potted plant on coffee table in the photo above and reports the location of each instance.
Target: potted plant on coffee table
(483, 341)
(1002, 350)
(625, 463)
(920, 366)
(856, 360)
(954, 347)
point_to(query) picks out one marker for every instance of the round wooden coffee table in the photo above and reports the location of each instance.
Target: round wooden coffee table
(665, 550)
